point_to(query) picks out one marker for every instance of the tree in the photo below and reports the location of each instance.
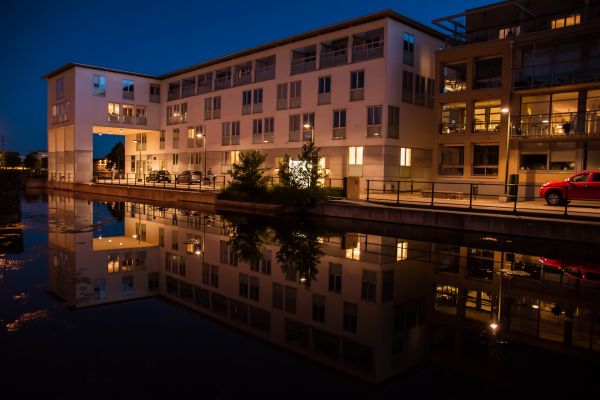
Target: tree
(285, 174)
(116, 157)
(310, 171)
(12, 159)
(32, 161)
(248, 174)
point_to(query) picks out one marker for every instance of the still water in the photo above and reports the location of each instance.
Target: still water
(126, 299)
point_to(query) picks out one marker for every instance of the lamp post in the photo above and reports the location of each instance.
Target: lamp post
(203, 136)
(138, 143)
(506, 111)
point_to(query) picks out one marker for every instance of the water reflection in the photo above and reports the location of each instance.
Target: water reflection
(370, 305)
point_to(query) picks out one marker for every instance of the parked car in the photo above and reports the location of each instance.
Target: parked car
(582, 186)
(159, 176)
(584, 271)
(189, 177)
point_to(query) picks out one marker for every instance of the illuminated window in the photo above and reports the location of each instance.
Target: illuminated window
(568, 20)
(353, 253)
(510, 31)
(113, 264)
(235, 157)
(405, 157)
(355, 155)
(401, 251)
(114, 109)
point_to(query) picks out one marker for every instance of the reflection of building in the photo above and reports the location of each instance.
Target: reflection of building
(86, 271)
(366, 307)
(540, 61)
(348, 86)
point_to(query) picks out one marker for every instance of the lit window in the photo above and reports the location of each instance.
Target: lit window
(113, 264)
(510, 31)
(402, 251)
(405, 157)
(355, 155)
(235, 157)
(568, 20)
(353, 253)
(113, 108)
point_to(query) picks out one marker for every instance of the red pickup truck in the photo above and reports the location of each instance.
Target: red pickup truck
(582, 186)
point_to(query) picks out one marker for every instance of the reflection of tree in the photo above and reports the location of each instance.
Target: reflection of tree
(117, 210)
(249, 234)
(299, 252)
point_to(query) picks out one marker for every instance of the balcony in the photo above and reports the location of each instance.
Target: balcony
(367, 51)
(556, 125)
(127, 95)
(257, 108)
(452, 128)
(306, 64)
(269, 137)
(557, 74)
(264, 69)
(205, 83)
(223, 79)
(243, 74)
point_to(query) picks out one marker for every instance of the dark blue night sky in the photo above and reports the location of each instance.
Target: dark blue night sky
(150, 37)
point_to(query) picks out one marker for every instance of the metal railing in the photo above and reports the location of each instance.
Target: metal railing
(557, 124)
(304, 64)
(61, 177)
(367, 51)
(557, 74)
(523, 199)
(333, 58)
(264, 73)
(146, 180)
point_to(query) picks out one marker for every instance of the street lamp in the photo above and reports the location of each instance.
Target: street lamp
(203, 136)
(506, 111)
(312, 131)
(138, 143)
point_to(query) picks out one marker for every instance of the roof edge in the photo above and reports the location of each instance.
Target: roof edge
(70, 65)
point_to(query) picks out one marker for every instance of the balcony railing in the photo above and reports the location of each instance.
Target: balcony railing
(269, 137)
(305, 64)
(257, 107)
(339, 133)
(155, 98)
(235, 139)
(113, 118)
(141, 120)
(204, 87)
(453, 85)
(295, 102)
(256, 138)
(453, 127)
(223, 83)
(333, 58)
(264, 73)
(367, 51)
(128, 95)
(557, 74)
(558, 124)
(245, 78)
(246, 109)
(282, 104)
(127, 119)
(294, 136)
(324, 98)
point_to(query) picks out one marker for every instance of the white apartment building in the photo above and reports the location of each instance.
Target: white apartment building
(363, 90)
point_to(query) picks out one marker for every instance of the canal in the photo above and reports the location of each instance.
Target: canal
(101, 298)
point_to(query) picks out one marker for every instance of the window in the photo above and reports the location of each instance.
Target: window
(509, 31)
(357, 85)
(367, 45)
(162, 139)
(154, 93)
(112, 264)
(339, 124)
(308, 126)
(355, 155)
(454, 118)
(235, 132)
(188, 86)
(420, 90)
(405, 155)
(60, 88)
(393, 130)
(374, 121)
(452, 160)
(294, 133)
(282, 96)
(174, 240)
(335, 278)
(204, 83)
(257, 131)
(407, 86)
(487, 116)
(246, 102)
(176, 138)
(216, 107)
(254, 288)
(401, 250)
(207, 108)
(534, 161)
(175, 159)
(455, 77)
(99, 85)
(295, 94)
(127, 285)
(174, 90)
(350, 317)
(290, 300)
(387, 285)
(242, 73)
(549, 115)
(258, 101)
(324, 90)
(128, 89)
(223, 78)
(114, 112)
(369, 285)
(140, 115)
(127, 114)
(485, 160)
(243, 285)
(277, 296)
(161, 237)
(430, 92)
(409, 49)
(488, 72)
(269, 130)
(318, 308)
(568, 20)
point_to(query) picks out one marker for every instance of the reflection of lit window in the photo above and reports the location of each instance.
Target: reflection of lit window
(113, 264)
(353, 253)
(355, 155)
(402, 251)
(405, 157)
(569, 20)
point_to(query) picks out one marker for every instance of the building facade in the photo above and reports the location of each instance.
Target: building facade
(535, 64)
(362, 89)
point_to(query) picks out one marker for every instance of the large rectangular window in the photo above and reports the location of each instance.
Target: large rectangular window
(405, 157)
(420, 90)
(339, 124)
(357, 85)
(455, 77)
(487, 116)
(374, 121)
(294, 133)
(335, 278)
(128, 89)
(258, 100)
(355, 155)
(393, 131)
(488, 72)
(564, 21)
(324, 96)
(99, 85)
(452, 160)
(454, 118)
(174, 90)
(407, 86)
(295, 94)
(282, 96)
(485, 160)
(308, 126)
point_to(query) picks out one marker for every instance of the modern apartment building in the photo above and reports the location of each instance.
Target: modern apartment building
(536, 63)
(362, 89)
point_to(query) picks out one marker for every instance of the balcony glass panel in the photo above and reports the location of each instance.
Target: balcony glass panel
(264, 69)
(455, 77)
(367, 45)
(304, 59)
(334, 53)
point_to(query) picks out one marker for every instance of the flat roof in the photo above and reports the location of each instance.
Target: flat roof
(295, 38)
